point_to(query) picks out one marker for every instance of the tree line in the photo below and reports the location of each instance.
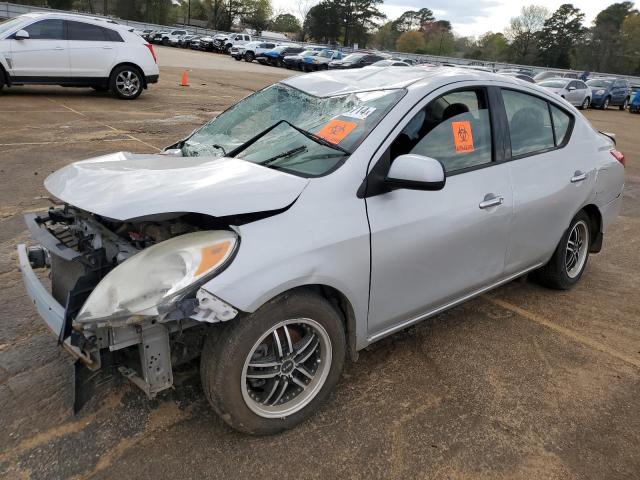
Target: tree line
(536, 36)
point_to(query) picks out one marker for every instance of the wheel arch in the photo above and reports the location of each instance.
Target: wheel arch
(340, 302)
(7, 77)
(130, 64)
(595, 217)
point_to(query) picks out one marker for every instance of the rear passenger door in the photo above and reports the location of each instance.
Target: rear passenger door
(92, 50)
(549, 184)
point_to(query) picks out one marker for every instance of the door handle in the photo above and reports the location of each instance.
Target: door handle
(59, 48)
(107, 47)
(578, 176)
(491, 200)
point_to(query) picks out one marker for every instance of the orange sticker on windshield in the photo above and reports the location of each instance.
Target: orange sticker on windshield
(336, 130)
(462, 136)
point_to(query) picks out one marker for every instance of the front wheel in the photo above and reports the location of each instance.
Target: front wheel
(606, 103)
(2, 79)
(269, 371)
(248, 57)
(126, 82)
(625, 104)
(570, 257)
(585, 103)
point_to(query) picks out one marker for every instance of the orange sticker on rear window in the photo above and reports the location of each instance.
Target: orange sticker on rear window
(336, 130)
(462, 136)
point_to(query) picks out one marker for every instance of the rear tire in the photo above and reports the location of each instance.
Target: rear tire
(126, 82)
(625, 104)
(299, 339)
(585, 103)
(569, 260)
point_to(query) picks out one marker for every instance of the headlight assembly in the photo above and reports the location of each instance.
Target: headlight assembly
(150, 281)
(600, 92)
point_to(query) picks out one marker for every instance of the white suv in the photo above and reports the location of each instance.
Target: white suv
(250, 50)
(75, 51)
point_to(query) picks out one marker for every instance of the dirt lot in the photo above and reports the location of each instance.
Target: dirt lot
(520, 383)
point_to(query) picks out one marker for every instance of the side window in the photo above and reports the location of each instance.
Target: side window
(529, 123)
(89, 32)
(454, 129)
(561, 122)
(46, 30)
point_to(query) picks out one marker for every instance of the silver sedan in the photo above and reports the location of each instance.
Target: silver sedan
(576, 92)
(312, 219)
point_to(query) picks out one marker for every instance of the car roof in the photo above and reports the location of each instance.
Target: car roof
(337, 82)
(72, 16)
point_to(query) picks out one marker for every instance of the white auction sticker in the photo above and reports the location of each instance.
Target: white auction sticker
(359, 112)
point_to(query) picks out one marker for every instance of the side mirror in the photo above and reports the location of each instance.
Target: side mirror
(571, 89)
(21, 35)
(415, 172)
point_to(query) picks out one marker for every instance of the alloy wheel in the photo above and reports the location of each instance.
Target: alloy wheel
(606, 103)
(286, 368)
(585, 103)
(128, 83)
(576, 249)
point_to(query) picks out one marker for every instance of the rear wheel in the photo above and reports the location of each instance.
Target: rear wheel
(625, 104)
(570, 257)
(269, 371)
(126, 82)
(585, 103)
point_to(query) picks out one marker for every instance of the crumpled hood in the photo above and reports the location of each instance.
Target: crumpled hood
(123, 186)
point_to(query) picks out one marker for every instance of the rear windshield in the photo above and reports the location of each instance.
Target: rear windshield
(599, 83)
(553, 83)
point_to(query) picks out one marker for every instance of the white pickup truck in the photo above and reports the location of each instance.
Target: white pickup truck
(224, 44)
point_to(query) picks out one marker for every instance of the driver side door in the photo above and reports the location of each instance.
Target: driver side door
(430, 249)
(44, 56)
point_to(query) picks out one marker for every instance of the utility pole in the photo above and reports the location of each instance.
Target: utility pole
(189, 13)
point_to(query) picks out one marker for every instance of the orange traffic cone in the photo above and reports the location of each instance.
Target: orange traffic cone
(184, 82)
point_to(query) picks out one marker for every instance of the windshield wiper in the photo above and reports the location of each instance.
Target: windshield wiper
(288, 153)
(309, 135)
(219, 147)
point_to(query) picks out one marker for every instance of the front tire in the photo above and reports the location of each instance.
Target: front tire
(569, 260)
(271, 370)
(248, 57)
(606, 103)
(126, 82)
(3, 80)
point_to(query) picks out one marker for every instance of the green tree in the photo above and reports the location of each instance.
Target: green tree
(559, 36)
(605, 42)
(320, 23)
(386, 37)
(493, 46)
(257, 14)
(439, 39)
(522, 33)
(413, 20)
(410, 42)
(356, 18)
(631, 42)
(285, 22)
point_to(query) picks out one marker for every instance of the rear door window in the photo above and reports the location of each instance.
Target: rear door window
(46, 30)
(530, 127)
(91, 33)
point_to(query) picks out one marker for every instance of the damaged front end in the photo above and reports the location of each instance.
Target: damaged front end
(128, 294)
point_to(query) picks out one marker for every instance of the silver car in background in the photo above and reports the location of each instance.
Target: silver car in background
(576, 92)
(312, 219)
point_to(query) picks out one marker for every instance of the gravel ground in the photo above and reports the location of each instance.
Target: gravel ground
(520, 383)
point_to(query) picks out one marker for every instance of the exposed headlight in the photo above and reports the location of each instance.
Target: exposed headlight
(150, 281)
(600, 92)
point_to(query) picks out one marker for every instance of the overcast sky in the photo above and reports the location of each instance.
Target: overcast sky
(470, 17)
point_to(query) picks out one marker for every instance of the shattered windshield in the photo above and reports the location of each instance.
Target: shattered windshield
(321, 133)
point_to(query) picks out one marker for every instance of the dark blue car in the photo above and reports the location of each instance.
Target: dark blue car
(609, 91)
(275, 57)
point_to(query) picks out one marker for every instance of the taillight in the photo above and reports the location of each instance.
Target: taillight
(618, 155)
(153, 53)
